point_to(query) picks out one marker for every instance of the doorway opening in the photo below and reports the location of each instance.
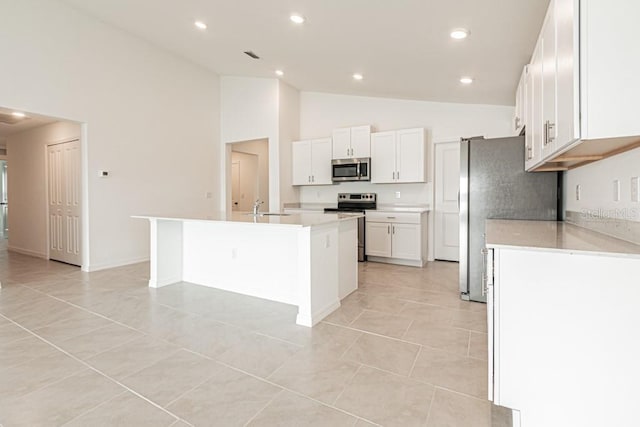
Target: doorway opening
(42, 187)
(249, 162)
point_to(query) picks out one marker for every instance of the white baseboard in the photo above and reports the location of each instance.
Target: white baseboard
(154, 283)
(27, 252)
(398, 261)
(113, 264)
(318, 315)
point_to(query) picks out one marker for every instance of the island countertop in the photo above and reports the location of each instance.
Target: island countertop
(555, 236)
(290, 220)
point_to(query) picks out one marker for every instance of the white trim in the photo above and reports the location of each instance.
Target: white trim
(318, 315)
(397, 261)
(28, 252)
(113, 264)
(154, 283)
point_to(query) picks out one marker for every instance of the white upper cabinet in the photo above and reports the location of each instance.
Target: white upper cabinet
(350, 143)
(520, 116)
(311, 162)
(398, 156)
(588, 91)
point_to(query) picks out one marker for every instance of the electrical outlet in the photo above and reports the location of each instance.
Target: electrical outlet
(397, 194)
(635, 189)
(616, 190)
(208, 195)
(578, 191)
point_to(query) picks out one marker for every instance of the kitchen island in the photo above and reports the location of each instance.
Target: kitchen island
(307, 260)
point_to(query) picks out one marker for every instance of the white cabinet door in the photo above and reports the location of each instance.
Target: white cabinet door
(410, 156)
(519, 118)
(383, 157)
(378, 239)
(301, 162)
(447, 186)
(342, 143)
(536, 128)
(361, 141)
(406, 241)
(321, 161)
(568, 84)
(549, 68)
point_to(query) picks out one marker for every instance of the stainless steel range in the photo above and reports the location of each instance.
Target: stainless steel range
(356, 202)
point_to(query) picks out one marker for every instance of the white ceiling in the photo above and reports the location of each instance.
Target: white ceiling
(402, 47)
(32, 121)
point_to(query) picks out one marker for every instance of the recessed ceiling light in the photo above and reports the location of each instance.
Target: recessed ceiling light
(466, 80)
(200, 25)
(18, 114)
(358, 76)
(280, 73)
(298, 19)
(459, 33)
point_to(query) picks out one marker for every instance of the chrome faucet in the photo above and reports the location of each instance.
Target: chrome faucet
(256, 206)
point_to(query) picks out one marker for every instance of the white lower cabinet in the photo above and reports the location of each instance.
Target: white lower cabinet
(397, 238)
(563, 327)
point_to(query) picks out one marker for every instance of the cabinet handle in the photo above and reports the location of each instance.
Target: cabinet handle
(388, 229)
(551, 127)
(516, 122)
(391, 217)
(313, 178)
(529, 153)
(393, 227)
(398, 175)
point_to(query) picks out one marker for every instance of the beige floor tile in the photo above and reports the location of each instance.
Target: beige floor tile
(376, 303)
(427, 313)
(42, 312)
(35, 374)
(471, 320)
(21, 351)
(79, 323)
(169, 378)
(332, 339)
(382, 323)
(450, 409)
(95, 342)
(383, 353)
(10, 332)
(315, 374)
(228, 398)
(478, 346)
(345, 314)
(132, 356)
(258, 354)
(289, 409)
(438, 336)
(459, 373)
(59, 402)
(125, 409)
(386, 399)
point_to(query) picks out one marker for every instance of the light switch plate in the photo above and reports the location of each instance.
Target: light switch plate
(616, 190)
(397, 194)
(635, 189)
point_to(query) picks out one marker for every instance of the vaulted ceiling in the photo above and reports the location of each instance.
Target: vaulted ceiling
(402, 47)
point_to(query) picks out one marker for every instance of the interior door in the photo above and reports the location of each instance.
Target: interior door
(64, 171)
(447, 208)
(235, 185)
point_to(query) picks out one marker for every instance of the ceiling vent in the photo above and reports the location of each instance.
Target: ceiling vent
(251, 54)
(10, 119)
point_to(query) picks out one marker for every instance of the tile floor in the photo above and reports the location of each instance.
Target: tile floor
(102, 349)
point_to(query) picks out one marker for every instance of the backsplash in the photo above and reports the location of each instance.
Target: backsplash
(418, 194)
(606, 222)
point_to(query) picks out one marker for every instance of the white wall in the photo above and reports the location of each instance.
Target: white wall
(320, 113)
(152, 119)
(261, 149)
(596, 181)
(26, 157)
(257, 108)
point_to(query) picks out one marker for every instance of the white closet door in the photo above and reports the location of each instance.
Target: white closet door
(447, 186)
(64, 202)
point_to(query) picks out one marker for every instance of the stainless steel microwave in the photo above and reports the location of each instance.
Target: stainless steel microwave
(351, 170)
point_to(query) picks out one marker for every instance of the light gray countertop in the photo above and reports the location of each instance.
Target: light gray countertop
(554, 236)
(381, 207)
(295, 220)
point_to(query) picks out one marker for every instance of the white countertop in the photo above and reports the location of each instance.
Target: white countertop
(295, 220)
(554, 236)
(381, 207)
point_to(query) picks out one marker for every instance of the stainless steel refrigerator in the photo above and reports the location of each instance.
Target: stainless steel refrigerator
(494, 184)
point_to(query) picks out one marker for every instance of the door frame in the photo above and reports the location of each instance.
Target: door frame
(84, 206)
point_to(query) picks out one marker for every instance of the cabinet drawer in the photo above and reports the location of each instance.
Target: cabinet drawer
(403, 217)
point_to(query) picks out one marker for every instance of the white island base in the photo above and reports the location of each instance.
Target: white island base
(305, 260)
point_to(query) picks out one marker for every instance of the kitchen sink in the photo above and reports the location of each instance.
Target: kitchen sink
(267, 214)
